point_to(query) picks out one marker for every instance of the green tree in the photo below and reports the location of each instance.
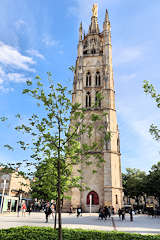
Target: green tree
(133, 183)
(150, 89)
(55, 139)
(153, 182)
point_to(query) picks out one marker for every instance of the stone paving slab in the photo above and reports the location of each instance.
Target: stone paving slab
(141, 224)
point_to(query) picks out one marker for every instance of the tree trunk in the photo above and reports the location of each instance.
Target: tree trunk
(59, 185)
(59, 204)
(55, 217)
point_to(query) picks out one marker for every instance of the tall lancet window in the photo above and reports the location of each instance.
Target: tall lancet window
(98, 79)
(88, 100)
(88, 79)
(98, 100)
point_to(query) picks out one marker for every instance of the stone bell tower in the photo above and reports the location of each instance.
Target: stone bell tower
(93, 75)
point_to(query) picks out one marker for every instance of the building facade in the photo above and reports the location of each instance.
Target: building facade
(13, 188)
(94, 75)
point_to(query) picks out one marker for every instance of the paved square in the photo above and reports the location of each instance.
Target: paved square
(141, 224)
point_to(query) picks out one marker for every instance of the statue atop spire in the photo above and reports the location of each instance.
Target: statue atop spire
(95, 10)
(93, 28)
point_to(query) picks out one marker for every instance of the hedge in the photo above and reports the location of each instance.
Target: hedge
(43, 233)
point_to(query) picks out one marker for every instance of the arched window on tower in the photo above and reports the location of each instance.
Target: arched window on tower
(116, 199)
(88, 100)
(98, 79)
(118, 145)
(93, 51)
(88, 79)
(98, 100)
(95, 198)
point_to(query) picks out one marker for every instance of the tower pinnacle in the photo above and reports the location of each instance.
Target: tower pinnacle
(94, 28)
(80, 32)
(106, 16)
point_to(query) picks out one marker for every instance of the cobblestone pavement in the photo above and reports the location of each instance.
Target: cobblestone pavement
(141, 224)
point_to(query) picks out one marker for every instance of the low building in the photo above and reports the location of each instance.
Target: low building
(13, 188)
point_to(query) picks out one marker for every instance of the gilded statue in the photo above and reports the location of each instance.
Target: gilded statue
(95, 10)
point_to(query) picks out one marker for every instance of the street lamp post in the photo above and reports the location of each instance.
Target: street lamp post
(90, 203)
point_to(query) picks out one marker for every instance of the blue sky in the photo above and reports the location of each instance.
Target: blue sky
(40, 36)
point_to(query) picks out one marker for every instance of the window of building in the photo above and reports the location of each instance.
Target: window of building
(88, 100)
(88, 79)
(93, 51)
(94, 198)
(116, 199)
(98, 79)
(118, 145)
(97, 100)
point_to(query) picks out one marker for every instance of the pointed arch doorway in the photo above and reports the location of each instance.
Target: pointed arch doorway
(95, 198)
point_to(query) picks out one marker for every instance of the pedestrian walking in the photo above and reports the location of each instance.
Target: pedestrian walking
(47, 211)
(29, 209)
(19, 209)
(71, 210)
(53, 210)
(119, 213)
(123, 214)
(101, 213)
(106, 212)
(131, 215)
(24, 208)
(79, 210)
(109, 212)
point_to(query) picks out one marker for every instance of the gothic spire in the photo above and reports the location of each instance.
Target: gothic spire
(106, 24)
(80, 32)
(106, 16)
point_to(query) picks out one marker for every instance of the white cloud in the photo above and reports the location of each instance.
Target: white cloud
(5, 89)
(35, 53)
(10, 56)
(126, 78)
(11, 62)
(2, 73)
(123, 55)
(17, 77)
(1, 80)
(20, 23)
(48, 41)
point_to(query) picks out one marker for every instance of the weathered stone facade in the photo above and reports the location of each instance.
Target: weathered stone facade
(94, 74)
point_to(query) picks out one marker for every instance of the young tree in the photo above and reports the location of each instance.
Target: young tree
(56, 133)
(149, 89)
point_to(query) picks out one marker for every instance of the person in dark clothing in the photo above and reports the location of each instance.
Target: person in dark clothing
(109, 212)
(19, 209)
(119, 213)
(123, 214)
(29, 209)
(131, 215)
(79, 211)
(101, 213)
(47, 211)
(106, 212)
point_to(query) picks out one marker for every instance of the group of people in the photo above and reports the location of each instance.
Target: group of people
(105, 212)
(122, 212)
